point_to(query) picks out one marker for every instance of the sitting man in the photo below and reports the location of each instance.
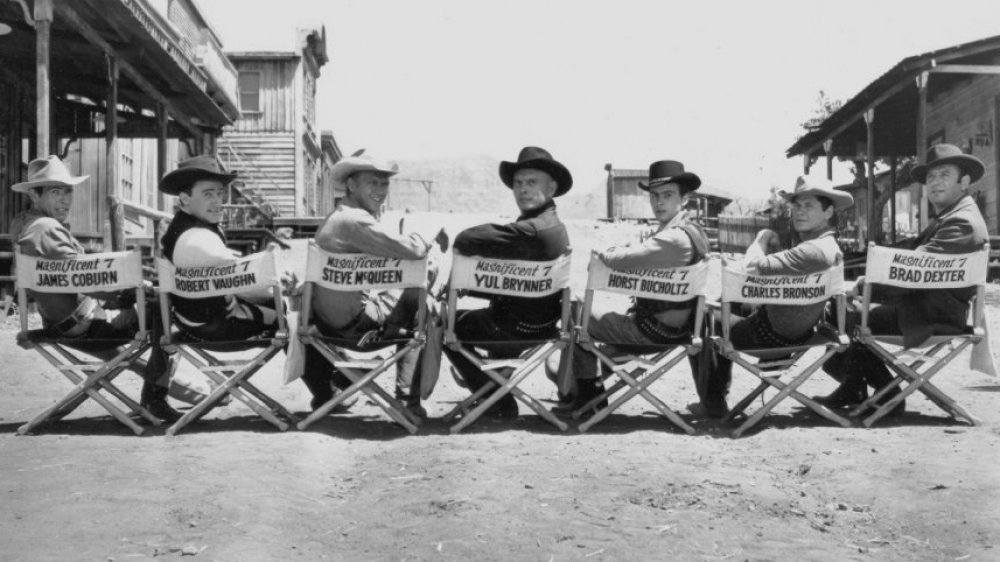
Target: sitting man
(814, 207)
(42, 231)
(195, 239)
(958, 228)
(537, 235)
(354, 227)
(676, 242)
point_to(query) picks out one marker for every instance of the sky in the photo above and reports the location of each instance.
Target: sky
(722, 86)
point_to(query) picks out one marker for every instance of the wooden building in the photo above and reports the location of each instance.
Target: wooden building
(275, 144)
(83, 78)
(950, 95)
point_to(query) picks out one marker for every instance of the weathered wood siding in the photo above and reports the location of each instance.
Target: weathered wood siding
(969, 116)
(277, 98)
(266, 163)
(628, 201)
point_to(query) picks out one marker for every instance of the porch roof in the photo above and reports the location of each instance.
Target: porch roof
(895, 97)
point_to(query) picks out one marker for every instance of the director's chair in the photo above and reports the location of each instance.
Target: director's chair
(91, 273)
(912, 368)
(512, 278)
(636, 367)
(362, 272)
(230, 376)
(771, 365)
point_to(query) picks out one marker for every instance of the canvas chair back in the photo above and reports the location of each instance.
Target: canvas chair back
(89, 273)
(350, 272)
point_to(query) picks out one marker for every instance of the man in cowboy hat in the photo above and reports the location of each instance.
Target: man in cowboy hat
(815, 204)
(354, 227)
(42, 231)
(676, 242)
(194, 239)
(537, 235)
(958, 228)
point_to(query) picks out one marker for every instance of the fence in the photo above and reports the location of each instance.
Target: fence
(736, 233)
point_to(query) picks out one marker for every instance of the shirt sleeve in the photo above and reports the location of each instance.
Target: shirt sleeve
(372, 237)
(500, 241)
(49, 239)
(952, 237)
(668, 248)
(199, 246)
(803, 258)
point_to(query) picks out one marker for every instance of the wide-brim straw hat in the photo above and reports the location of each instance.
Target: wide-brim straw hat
(43, 172)
(817, 187)
(360, 162)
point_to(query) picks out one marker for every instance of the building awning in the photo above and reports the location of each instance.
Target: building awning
(895, 98)
(155, 68)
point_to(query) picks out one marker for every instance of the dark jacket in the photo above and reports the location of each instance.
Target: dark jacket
(959, 229)
(198, 310)
(537, 235)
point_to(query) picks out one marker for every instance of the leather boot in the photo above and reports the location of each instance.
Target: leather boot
(880, 378)
(847, 395)
(154, 399)
(586, 390)
(412, 404)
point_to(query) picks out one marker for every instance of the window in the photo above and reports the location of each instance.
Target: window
(250, 92)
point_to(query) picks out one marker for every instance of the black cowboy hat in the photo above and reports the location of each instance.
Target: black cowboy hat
(670, 171)
(192, 170)
(537, 159)
(949, 154)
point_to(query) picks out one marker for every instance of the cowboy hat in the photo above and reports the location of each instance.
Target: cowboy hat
(193, 169)
(537, 159)
(949, 154)
(360, 162)
(47, 171)
(817, 187)
(670, 171)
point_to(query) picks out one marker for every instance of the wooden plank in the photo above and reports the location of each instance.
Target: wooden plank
(966, 68)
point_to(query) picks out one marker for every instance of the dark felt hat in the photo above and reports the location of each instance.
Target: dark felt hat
(670, 171)
(192, 170)
(949, 154)
(537, 159)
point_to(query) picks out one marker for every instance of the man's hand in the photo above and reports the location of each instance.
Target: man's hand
(289, 282)
(442, 240)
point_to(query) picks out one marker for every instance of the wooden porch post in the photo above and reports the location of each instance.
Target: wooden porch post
(161, 151)
(870, 126)
(921, 139)
(116, 212)
(806, 163)
(43, 94)
(828, 150)
(892, 199)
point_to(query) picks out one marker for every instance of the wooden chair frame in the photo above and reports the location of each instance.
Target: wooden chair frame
(771, 365)
(505, 374)
(913, 368)
(362, 372)
(230, 376)
(90, 377)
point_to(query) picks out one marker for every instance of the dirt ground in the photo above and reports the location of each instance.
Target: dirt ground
(358, 487)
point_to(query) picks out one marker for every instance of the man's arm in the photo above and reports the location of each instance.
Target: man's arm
(499, 241)
(803, 258)
(47, 238)
(668, 248)
(371, 237)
